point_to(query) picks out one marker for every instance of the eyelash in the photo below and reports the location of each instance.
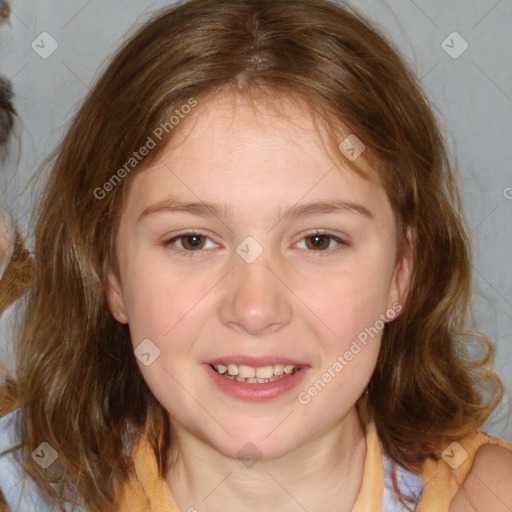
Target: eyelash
(198, 252)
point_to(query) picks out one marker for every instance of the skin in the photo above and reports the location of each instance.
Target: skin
(487, 486)
(6, 243)
(288, 302)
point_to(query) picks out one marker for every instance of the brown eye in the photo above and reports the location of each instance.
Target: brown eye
(318, 242)
(192, 242)
(188, 243)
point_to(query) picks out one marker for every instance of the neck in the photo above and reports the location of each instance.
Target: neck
(323, 474)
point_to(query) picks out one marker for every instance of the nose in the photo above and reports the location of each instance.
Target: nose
(256, 299)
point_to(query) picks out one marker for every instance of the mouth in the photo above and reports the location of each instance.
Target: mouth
(256, 379)
(255, 375)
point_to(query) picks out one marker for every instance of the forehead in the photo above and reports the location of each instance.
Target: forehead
(251, 153)
(272, 123)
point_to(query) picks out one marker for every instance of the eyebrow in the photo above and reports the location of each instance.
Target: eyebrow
(207, 209)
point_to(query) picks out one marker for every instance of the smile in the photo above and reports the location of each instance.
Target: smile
(253, 375)
(256, 383)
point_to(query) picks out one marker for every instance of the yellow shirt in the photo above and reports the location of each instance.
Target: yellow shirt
(440, 480)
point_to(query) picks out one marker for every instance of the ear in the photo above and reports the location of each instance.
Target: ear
(115, 298)
(402, 276)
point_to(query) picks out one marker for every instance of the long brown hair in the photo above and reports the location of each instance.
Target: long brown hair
(80, 385)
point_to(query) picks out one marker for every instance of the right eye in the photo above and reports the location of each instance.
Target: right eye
(191, 242)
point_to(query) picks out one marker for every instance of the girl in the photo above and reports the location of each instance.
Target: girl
(252, 284)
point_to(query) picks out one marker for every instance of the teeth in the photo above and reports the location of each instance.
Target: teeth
(246, 372)
(250, 374)
(254, 381)
(233, 369)
(278, 369)
(265, 372)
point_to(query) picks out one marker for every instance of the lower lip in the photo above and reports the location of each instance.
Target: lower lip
(256, 392)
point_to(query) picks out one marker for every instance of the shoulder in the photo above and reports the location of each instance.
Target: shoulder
(487, 485)
(17, 490)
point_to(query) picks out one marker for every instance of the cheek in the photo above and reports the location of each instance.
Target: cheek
(163, 309)
(169, 311)
(346, 302)
(157, 295)
(157, 304)
(349, 332)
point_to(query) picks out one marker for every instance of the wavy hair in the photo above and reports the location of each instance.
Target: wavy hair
(81, 388)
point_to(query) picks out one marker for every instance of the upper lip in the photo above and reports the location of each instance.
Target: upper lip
(256, 362)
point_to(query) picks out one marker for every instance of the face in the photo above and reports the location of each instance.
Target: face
(252, 284)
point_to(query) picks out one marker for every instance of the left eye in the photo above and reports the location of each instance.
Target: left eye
(320, 241)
